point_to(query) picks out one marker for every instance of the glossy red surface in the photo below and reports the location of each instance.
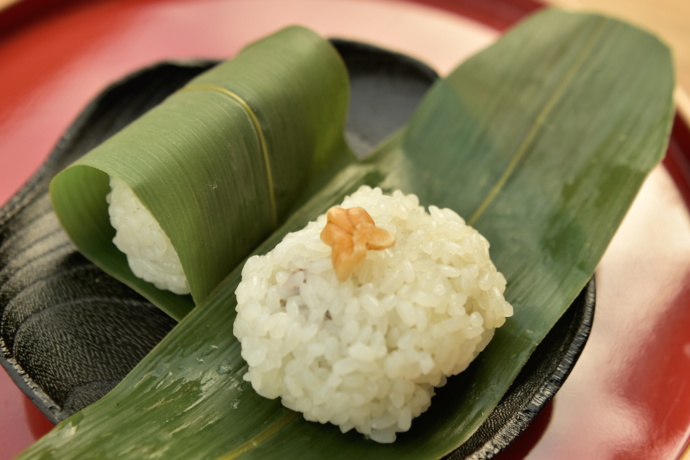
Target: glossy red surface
(629, 394)
(20, 422)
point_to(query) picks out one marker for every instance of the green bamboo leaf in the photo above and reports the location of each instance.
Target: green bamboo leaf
(228, 158)
(542, 140)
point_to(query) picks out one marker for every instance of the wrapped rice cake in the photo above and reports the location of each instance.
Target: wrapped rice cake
(366, 350)
(173, 202)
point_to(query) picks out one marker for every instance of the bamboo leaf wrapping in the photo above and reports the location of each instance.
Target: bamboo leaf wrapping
(218, 164)
(541, 141)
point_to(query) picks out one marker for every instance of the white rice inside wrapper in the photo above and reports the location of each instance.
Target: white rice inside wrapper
(367, 353)
(150, 254)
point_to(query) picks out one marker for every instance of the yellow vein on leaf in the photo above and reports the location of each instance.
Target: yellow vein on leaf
(259, 133)
(548, 107)
(261, 437)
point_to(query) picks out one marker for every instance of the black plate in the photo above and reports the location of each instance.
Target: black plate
(69, 332)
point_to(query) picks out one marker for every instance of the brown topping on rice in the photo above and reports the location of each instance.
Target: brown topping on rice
(351, 232)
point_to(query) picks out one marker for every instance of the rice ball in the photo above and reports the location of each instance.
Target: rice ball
(367, 353)
(150, 253)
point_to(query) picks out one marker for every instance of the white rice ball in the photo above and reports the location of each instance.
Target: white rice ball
(150, 254)
(367, 353)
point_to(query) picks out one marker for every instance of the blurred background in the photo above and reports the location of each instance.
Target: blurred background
(670, 19)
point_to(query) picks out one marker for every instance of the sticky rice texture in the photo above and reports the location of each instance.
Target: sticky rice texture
(150, 254)
(367, 353)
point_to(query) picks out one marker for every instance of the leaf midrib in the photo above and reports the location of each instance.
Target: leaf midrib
(259, 133)
(548, 107)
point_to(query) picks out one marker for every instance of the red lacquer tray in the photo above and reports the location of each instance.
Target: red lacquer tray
(629, 394)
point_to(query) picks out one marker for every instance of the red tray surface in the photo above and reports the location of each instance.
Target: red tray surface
(629, 394)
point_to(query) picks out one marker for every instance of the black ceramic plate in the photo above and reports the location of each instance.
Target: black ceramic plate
(69, 332)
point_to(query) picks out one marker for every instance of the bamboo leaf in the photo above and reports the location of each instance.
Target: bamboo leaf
(542, 140)
(228, 159)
